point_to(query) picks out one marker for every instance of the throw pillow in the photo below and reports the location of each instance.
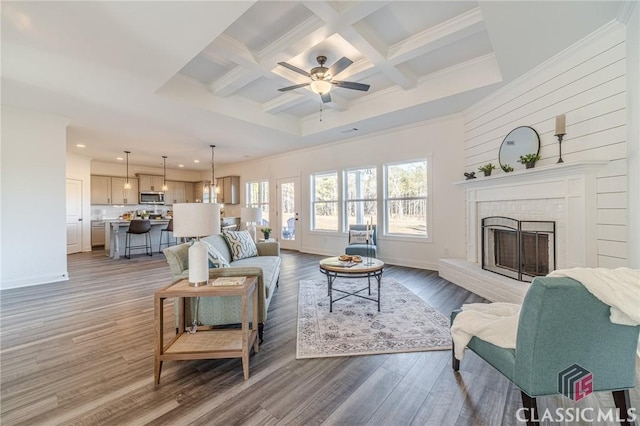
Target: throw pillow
(360, 237)
(216, 259)
(241, 245)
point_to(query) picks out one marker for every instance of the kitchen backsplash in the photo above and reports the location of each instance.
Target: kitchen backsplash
(114, 212)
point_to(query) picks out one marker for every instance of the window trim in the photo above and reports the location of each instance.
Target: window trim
(345, 191)
(248, 202)
(313, 201)
(428, 199)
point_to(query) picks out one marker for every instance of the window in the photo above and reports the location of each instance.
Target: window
(406, 198)
(325, 201)
(258, 196)
(361, 196)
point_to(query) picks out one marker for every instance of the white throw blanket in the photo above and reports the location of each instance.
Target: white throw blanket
(496, 323)
(618, 288)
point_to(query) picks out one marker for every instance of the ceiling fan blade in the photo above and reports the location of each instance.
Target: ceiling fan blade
(326, 98)
(351, 85)
(296, 69)
(297, 86)
(340, 65)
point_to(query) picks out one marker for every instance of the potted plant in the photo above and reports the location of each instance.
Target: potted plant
(266, 232)
(529, 160)
(487, 169)
(506, 168)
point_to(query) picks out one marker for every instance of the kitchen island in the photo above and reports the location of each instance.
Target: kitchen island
(118, 234)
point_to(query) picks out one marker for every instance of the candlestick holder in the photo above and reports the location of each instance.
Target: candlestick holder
(560, 147)
(368, 262)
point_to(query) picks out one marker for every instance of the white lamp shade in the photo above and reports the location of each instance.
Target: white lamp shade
(194, 220)
(251, 214)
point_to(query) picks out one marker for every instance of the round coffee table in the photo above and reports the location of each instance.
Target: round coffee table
(334, 268)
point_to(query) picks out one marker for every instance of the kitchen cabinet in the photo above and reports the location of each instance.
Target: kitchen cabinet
(97, 234)
(181, 192)
(150, 183)
(119, 195)
(110, 190)
(100, 190)
(190, 192)
(229, 189)
(175, 193)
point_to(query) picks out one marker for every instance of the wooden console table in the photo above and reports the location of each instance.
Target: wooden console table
(207, 342)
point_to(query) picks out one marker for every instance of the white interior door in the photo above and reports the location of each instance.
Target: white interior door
(288, 199)
(74, 216)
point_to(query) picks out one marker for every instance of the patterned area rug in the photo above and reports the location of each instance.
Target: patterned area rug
(405, 322)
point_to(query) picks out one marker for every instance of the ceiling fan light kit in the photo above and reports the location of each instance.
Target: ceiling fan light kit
(322, 78)
(321, 87)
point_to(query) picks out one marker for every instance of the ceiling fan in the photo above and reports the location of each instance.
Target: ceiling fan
(322, 78)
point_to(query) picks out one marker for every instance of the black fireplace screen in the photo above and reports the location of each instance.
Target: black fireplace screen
(519, 249)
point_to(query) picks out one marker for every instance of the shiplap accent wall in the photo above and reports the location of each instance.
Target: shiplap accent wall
(586, 82)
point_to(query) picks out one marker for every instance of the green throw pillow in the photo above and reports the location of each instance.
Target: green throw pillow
(240, 243)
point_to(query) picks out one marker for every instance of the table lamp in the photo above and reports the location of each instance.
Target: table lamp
(196, 220)
(251, 215)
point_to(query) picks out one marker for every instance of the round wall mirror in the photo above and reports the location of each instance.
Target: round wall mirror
(520, 141)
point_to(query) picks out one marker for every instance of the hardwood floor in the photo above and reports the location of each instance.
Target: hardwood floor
(81, 353)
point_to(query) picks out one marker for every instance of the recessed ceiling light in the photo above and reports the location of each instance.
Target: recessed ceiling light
(119, 158)
(196, 161)
(180, 165)
(79, 145)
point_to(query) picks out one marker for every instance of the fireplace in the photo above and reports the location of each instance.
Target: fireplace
(518, 249)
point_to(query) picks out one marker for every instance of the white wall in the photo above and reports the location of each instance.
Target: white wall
(79, 168)
(587, 82)
(441, 140)
(633, 134)
(33, 198)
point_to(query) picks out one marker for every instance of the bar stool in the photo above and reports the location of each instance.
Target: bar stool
(138, 227)
(168, 229)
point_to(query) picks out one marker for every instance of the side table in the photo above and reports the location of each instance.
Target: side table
(207, 342)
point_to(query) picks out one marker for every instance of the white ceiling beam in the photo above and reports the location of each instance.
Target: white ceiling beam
(358, 34)
(284, 102)
(235, 50)
(375, 51)
(433, 38)
(296, 41)
(232, 81)
(250, 68)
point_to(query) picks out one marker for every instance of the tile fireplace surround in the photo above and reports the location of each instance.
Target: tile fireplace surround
(564, 193)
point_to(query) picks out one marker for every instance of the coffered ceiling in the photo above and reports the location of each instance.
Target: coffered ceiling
(171, 78)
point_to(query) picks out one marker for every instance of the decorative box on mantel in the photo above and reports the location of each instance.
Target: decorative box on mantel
(565, 193)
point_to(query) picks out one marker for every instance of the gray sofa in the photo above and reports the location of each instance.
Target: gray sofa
(227, 310)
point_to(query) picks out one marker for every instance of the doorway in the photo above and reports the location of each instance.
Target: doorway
(287, 215)
(74, 216)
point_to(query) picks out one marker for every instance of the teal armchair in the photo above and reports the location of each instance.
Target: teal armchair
(561, 324)
(361, 248)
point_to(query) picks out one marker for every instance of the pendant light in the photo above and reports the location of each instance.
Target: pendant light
(164, 173)
(212, 189)
(127, 185)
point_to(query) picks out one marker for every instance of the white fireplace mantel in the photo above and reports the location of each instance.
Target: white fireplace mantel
(529, 176)
(567, 192)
